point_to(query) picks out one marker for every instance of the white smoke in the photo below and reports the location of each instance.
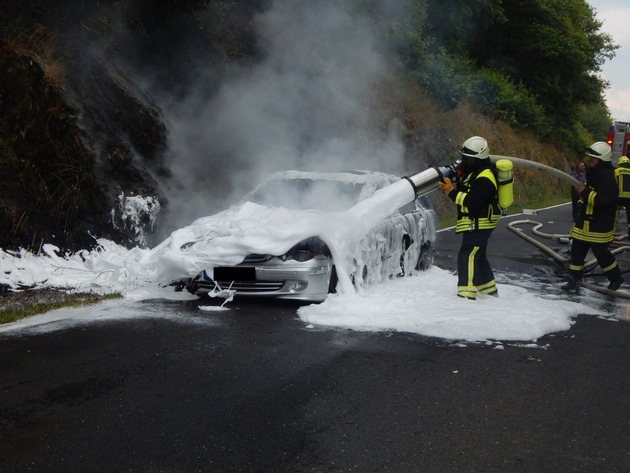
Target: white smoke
(309, 104)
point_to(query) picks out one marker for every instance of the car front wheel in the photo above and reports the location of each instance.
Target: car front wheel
(425, 259)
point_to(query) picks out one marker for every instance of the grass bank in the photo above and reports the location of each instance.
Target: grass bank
(18, 305)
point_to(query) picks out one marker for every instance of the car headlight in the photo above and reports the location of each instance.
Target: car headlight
(307, 249)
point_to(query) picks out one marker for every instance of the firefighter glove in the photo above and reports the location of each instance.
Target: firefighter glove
(446, 185)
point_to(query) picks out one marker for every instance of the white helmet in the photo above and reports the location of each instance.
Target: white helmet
(600, 150)
(475, 147)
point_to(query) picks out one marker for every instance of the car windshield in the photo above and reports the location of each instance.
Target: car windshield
(306, 194)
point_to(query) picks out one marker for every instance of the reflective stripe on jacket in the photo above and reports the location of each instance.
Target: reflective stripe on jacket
(596, 218)
(476, 199)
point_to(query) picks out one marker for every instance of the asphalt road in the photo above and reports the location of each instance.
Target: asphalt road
(258, 392)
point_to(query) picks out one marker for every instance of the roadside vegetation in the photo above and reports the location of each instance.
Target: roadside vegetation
(18, 305)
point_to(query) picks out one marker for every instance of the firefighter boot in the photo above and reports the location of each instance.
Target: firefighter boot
(614, 276)
(574, 282)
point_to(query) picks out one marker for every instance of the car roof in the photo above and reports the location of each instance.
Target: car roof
(350, 177)
(364, 182)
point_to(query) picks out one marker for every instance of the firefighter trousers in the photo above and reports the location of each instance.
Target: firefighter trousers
(602, 253)
(626, 203)
(474, 273)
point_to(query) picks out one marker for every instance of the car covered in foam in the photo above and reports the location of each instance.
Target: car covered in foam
(307, 269)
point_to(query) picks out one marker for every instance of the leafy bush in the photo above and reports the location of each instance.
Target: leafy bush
(448, 78)
(513, 103)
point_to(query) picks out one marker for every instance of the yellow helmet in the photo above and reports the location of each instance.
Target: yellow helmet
(623, 160)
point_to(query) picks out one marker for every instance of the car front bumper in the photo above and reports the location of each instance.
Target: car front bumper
(297, 280)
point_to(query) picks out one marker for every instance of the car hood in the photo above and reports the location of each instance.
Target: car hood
(226, 238)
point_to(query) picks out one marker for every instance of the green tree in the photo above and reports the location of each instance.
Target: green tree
(531, 62)
(595, 119)
(554, 47)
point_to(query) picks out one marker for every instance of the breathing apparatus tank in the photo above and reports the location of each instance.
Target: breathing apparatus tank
(505, 183)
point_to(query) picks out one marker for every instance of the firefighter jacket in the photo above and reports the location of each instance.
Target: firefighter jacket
(476, 199)
(622, 174)
(597, 208)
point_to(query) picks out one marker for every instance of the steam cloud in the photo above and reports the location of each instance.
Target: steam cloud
(308, 105)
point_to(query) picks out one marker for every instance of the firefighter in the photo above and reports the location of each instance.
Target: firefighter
(622, 174)
(477, 216)
(594, 227)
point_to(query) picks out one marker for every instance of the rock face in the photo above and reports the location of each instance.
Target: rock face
(76, 130)
(63, 162)
(75, 135)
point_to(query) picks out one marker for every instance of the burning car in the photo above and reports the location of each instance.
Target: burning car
(289, 219)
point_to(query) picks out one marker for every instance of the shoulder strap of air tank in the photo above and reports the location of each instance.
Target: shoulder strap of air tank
(491, 174)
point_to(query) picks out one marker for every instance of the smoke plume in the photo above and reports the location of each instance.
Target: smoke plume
(309, 104)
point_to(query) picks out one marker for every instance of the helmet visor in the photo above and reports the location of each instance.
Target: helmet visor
(591, 152)
(467, 151)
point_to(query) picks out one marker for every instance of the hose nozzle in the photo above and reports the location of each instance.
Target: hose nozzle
(426, 181)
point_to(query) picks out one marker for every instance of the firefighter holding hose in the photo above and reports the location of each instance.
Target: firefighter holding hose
(595, 223)
(478, 213)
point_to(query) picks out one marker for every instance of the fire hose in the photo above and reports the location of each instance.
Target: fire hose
(619, 241)
(426, 181)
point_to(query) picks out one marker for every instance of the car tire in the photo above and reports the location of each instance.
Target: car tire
(192, 287)
(334, 279)
(425, 259)
(406, 243)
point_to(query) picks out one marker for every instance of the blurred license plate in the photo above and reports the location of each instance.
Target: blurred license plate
(234, 274)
